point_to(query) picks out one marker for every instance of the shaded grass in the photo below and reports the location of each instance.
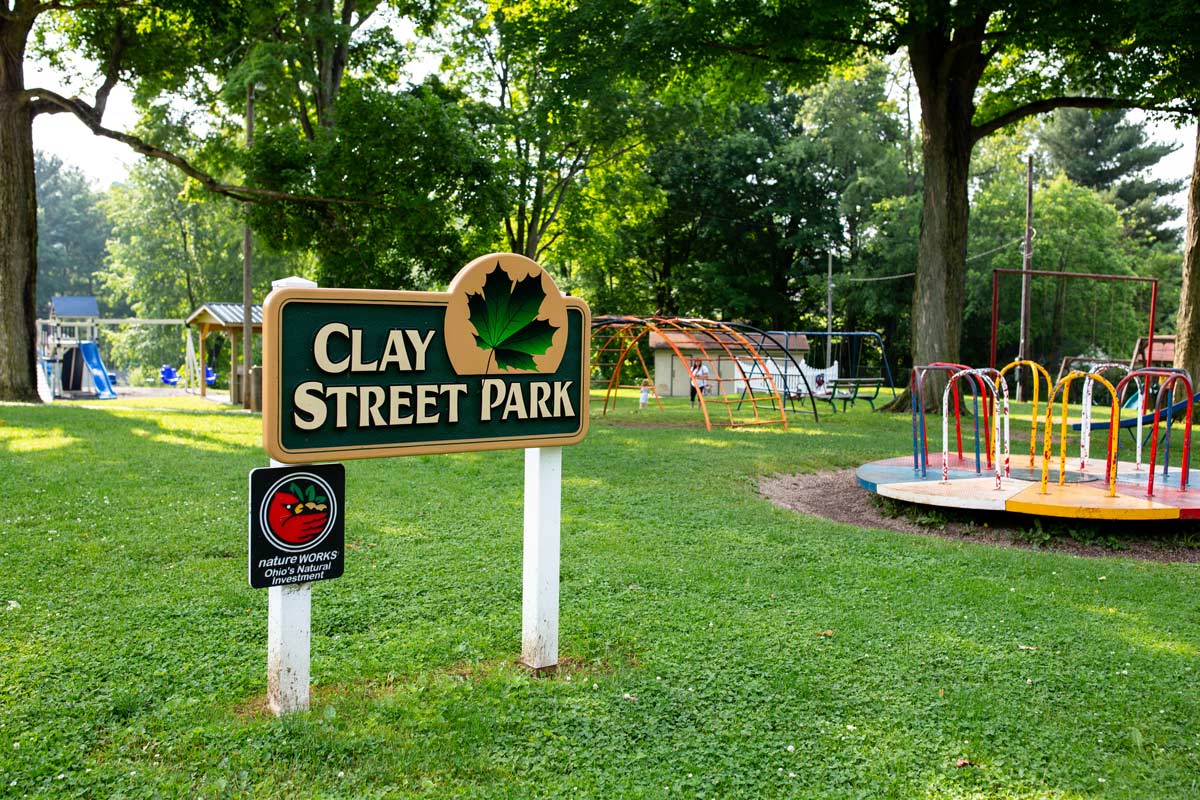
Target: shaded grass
(691, 613)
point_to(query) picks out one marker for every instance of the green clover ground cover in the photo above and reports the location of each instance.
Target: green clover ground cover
(694, 630)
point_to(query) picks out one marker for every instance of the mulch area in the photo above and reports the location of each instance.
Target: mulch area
(837, 496)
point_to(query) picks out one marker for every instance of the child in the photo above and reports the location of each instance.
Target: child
(644, 398)
(699, 371)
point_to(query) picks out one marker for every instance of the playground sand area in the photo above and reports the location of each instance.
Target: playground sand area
(837, 496)
(144, 392)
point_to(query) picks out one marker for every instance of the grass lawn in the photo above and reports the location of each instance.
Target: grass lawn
(714, 646)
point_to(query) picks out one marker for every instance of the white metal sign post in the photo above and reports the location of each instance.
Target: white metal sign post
(289, 619)
(539, 597)
(289, 629)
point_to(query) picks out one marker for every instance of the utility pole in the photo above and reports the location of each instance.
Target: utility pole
(247, 268)
(829, 314)
(1026, 265)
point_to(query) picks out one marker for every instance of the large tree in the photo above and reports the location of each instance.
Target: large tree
(155, 48)
(335, 117)
(547, 133)
(1187, 345)
(979, 66)
(746, 210)
(300, 56)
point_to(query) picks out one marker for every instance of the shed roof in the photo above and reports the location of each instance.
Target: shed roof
(74, 306)
(1164, 350)
(224, 315)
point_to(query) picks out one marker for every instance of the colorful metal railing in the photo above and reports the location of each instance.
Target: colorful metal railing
(985, 379)
(1064, 385)
(1035, 369)
(1168, 378)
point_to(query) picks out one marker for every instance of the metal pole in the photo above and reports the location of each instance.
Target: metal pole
(540, 563)
(1150, 350)
(995, 313)
(829, 314)
(247, 268)
(289, 624)
(1026, 265)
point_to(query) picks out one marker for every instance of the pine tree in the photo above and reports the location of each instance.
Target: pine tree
(1104, 151)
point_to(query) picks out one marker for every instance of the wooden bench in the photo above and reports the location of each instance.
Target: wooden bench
(847, 390)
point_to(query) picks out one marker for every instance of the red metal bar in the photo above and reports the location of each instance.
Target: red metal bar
(1169, 378)
(1150, 348)
(1100, 275)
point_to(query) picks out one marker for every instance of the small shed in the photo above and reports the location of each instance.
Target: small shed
(671, 378)
(1162, 354)
(225, 318)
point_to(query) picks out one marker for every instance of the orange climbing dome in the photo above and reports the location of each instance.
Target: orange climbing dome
(751, 375)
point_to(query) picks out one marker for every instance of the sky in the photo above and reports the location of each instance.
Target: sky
(102, 160)
(105, 161)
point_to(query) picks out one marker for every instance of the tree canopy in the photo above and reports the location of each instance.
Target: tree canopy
(1104, 151)
(978, 66)
(701, 159)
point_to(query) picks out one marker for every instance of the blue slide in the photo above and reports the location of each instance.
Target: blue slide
(91, 357)
(1147, 419)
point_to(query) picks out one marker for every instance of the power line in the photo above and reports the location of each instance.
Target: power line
(880, 278)
(1001, 247)
(910, 274)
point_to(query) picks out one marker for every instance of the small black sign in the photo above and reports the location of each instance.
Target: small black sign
(297, 524)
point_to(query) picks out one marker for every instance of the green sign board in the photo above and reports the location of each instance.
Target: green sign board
(498, 361)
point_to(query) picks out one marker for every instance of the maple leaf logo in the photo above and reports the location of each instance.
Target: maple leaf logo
(505, 314)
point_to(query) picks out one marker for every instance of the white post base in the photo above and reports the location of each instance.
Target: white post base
(288, 633)
(539, 606)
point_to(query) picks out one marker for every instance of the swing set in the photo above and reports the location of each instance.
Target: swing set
(1090, 276)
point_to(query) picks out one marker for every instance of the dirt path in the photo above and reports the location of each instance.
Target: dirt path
(837, 496)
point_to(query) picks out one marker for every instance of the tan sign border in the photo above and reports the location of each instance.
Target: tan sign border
(272, 396)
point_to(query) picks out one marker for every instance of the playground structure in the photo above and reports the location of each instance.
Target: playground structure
(1084, 488)
(753, 377)
(69, 360)
(1144, 351)
(740, 386)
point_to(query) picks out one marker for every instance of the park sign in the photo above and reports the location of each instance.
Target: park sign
(297, 524)
(500, 360)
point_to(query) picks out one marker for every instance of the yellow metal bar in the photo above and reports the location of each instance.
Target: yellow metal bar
(1034, 370)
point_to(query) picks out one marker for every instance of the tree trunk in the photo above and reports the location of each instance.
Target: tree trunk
(18, 234)
(1187, 332)
(946, 77)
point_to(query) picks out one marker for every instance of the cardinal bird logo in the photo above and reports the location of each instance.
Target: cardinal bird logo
(298, 511)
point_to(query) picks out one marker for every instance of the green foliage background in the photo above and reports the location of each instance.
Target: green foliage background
(718, 191)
